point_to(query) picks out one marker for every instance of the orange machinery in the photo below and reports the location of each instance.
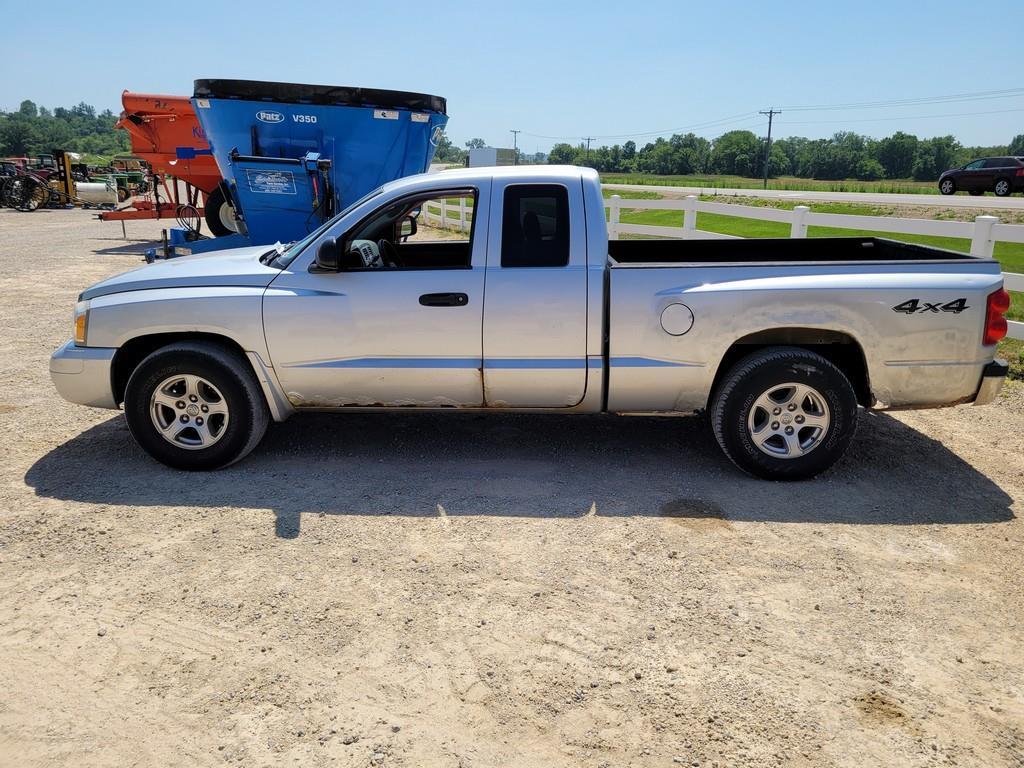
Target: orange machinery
(165, 132)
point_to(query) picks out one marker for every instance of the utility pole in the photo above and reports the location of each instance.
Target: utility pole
(588, 139)
(768, 148)
(515, 145)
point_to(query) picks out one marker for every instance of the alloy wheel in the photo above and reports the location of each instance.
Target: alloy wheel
(189, 412)
(788, 420)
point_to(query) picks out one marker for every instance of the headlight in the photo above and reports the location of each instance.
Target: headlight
(81, 323)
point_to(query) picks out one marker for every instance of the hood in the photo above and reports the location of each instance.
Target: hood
(238, 267)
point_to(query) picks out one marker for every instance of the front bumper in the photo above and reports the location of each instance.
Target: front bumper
(992, 377)
(82, 375)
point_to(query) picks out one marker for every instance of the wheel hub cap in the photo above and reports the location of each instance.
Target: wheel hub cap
(189, 412)
(788, 420)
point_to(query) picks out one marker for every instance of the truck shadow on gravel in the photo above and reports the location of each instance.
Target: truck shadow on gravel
(423, 464)
(130, 246)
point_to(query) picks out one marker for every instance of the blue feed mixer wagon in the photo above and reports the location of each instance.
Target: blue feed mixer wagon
(292, 156)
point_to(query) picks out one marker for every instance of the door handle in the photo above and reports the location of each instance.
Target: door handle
(444, 299)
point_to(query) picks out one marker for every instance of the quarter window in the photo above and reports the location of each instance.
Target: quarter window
(535, 226)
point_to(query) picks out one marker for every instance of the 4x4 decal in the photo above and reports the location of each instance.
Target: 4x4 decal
(912, 306)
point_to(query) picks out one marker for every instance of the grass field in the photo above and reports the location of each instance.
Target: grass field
(901, 186)
(1010, 255)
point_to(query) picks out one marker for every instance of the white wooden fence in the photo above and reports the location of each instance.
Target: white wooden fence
(449, 214)
(983, 232)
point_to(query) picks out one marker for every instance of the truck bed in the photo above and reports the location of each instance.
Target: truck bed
(823, 250)
(913, 314)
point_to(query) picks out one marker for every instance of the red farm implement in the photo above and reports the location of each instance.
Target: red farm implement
(166, 134)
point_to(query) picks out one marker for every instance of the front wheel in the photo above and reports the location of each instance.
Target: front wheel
(784, 413)
(195, 405)
(947, 186)
(1002, 188)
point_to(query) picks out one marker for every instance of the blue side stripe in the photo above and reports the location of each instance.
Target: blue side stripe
(498, 363)
(534, 363)
(395, 362)
(453, 362)
(648, 362)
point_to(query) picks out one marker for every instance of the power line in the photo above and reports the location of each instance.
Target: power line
(917, 101)
(904, 117)
(662, 131)
(885, 104)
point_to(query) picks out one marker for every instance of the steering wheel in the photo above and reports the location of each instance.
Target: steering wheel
(389, 253)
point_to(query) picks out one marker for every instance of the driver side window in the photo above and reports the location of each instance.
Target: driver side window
(426, 231)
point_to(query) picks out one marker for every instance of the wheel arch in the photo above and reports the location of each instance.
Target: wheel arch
(839, 348)
(135, 350)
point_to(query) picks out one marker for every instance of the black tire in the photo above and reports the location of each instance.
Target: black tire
(947, 187)
(757, 374)
(231, 376)
(215, 201)
(976, 192)
(1003, 188)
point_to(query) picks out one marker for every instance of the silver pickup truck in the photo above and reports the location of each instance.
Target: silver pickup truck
(389, 305)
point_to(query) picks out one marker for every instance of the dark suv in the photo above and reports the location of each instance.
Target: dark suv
(1002, 175)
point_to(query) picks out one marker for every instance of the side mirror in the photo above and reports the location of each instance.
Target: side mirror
(406, 227)
(328, 255)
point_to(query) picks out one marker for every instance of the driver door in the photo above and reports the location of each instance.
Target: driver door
(388, 336)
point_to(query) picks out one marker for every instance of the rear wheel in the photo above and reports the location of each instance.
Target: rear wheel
(784, 413)
(220, 214)
(1002, 188)
(195, 405)
(947, 186)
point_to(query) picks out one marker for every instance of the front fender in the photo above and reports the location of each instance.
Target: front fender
(233, 312)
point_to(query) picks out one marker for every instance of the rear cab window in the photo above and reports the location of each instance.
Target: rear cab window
(535, 226)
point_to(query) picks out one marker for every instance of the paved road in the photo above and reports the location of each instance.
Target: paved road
(951, 201)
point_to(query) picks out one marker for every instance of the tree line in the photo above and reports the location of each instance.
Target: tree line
(34, 130)
(845, 155)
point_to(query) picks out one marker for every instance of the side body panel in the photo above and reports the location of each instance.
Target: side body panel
(535, 318)
(336, 363)
(925, 358)
(363, 338)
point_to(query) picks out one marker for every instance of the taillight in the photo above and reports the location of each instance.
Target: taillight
(995, 323)
(1020, 171)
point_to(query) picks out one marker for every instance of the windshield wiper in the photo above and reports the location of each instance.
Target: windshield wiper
(275, 252)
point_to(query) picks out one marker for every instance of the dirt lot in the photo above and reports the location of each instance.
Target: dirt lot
(460, 590)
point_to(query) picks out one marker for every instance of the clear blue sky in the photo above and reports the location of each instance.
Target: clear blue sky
(565, 69)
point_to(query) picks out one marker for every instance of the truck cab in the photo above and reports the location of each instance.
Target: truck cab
(417, 328)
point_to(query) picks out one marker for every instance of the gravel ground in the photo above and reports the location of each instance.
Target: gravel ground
(463, 590)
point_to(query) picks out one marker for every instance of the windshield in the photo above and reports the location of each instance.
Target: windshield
(294, 249)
